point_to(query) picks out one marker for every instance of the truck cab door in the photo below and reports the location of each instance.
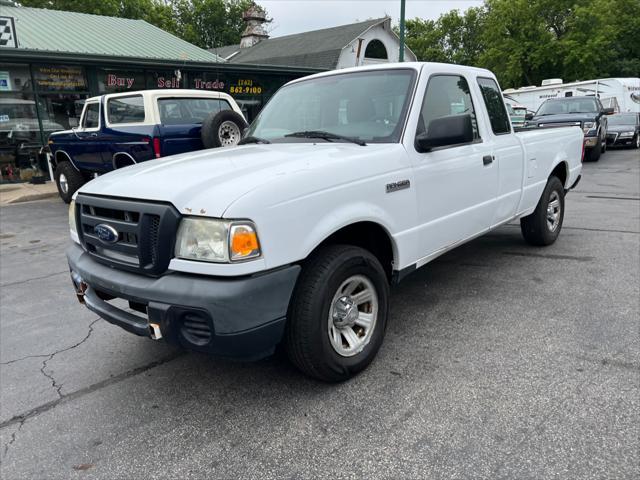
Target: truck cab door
(456, 184)
(87, 151)
(506, 149)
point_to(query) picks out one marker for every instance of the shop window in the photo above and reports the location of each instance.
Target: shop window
(14, 77)
(60, 111)
(187, 111)
(19, 138)
(126, 109)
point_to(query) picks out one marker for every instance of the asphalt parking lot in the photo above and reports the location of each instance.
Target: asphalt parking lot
(501, 360)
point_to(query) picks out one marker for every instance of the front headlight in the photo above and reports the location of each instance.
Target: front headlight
(72, 218)
(587, 126)
(627, 134)
(220, 241)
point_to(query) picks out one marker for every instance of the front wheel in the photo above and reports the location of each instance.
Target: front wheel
(543, 226)
(338, 313)
(637, 142)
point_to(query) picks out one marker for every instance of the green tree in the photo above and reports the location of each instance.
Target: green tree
(453, 38)
(526, 41)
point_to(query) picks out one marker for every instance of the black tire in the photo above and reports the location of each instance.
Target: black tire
(213, 136)
(74, 180)
(535, 227)
(307, 333)
(636, 143)
(603, 145)
(592, 154)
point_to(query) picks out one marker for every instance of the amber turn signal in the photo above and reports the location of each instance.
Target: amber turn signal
(244, 242)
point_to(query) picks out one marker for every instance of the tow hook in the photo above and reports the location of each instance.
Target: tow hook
(154, 331)
(79, 285)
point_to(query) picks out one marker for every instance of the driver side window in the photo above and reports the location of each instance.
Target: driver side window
(446, 95)
(91, 117)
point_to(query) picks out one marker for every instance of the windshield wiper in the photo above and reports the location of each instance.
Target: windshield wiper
(252, 139)
(325, 136)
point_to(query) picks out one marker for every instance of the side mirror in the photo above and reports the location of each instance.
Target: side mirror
(608, 111)
(443, 131)
(528, 116)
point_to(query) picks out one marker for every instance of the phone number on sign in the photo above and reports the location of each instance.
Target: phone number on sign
(245, 90)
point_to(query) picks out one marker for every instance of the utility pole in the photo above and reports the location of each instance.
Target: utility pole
(401, 56)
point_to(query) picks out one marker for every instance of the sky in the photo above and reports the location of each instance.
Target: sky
(295, 16)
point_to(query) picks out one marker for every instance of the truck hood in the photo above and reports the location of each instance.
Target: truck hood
(208, 181)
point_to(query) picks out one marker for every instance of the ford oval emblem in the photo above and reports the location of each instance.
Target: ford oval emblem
(106, 233)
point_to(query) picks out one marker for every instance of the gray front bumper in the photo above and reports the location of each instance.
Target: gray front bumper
(246, 314)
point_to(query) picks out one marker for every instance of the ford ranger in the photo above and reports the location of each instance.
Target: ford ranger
(346, 182)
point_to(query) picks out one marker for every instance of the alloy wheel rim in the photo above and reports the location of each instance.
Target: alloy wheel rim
(554, 209)
(353, 314)
(229, 134)
(64, 184)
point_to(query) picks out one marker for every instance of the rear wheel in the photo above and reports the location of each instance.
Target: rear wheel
(338, 313)
(543, 226)
(68, 180)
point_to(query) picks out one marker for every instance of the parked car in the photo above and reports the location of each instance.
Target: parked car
(122, 129)
(624, 129)
(294, 236)
(517, 114)
(585, 112)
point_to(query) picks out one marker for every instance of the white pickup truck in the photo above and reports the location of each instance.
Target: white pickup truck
(347, 181)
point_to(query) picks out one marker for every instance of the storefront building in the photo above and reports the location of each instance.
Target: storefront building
(45, 80)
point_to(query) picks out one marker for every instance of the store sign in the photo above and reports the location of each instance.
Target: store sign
(245, 87)
(172, 82)
(122, 82)
(60, 78)
(204, 85)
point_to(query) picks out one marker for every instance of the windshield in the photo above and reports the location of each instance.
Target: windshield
(627, 119)
(559, 107)
(370, 106)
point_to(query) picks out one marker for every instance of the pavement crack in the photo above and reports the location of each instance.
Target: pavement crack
(11, 284)
(13, 438)
(58, 386)
(85, 391)
(16, 360)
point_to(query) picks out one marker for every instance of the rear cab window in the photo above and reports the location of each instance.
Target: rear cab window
(189, 111)
(125, 110)
(91, 117)
(492, 96)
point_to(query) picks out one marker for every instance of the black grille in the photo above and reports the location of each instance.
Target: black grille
(145, 232)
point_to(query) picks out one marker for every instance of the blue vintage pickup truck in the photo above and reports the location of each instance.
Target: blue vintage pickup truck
(120, 129)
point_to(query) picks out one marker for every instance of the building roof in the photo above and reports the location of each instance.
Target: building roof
(316, 49)
(43, 30)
